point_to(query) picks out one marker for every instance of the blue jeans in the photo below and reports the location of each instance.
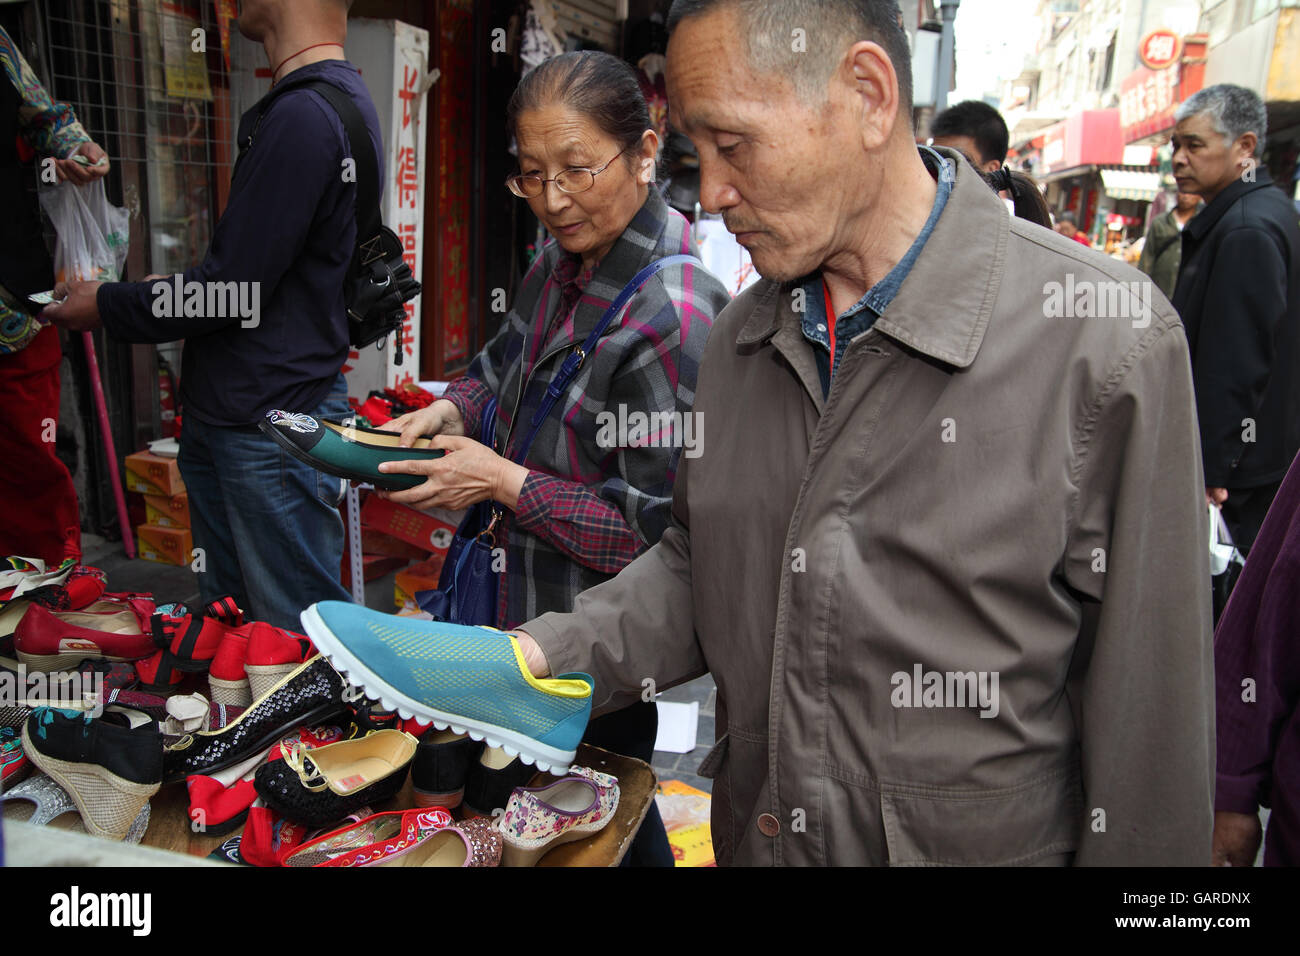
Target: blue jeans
(268, 525)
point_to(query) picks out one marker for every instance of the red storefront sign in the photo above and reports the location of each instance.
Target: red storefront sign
(1160, 49)
(1150, 96)
(1147, 101)
(1089, 138)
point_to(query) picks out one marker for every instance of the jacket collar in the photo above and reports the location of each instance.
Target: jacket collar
(964, 258)
(1206, 219)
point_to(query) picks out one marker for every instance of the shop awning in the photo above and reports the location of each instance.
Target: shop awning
(1137, 184)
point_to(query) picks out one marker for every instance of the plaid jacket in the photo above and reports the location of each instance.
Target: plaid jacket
(591, 504)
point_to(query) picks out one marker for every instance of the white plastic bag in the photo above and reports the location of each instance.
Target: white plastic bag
(92, 233)
(1223, 553)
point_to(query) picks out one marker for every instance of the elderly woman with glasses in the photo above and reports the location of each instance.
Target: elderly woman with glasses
(595, 490)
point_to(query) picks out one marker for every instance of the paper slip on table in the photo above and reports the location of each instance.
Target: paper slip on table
(170, 828)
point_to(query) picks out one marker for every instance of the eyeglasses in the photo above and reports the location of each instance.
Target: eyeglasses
(577, 179)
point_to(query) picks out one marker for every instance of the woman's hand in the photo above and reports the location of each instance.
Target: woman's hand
(440, 418)
(69, 168)
(470, 472)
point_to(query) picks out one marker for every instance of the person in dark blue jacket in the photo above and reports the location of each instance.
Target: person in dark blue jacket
(264, 325)
(1238, 295)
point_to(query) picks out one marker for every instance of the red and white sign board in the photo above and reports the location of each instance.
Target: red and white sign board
(393, 58)
(1147, 101)
(1160, 49)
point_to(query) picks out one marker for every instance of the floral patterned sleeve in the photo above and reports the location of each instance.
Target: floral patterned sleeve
(50, 128)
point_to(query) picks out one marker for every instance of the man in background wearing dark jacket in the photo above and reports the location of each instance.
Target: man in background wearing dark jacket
(268, 524)
(1238, 295)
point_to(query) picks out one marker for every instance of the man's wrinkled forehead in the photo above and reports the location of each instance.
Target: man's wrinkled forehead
(709, 78)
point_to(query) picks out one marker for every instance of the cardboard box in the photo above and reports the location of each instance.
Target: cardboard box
(372, 566)
(150, 474)
(376, 542)
(173, 512)
(165, 545)
(425, 531)
(418, 577)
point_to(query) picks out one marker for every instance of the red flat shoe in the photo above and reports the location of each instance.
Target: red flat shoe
(60, 640)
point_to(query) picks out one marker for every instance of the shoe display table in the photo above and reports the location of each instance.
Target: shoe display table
(170, 828)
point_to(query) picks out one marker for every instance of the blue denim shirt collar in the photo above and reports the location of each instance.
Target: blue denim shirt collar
(872, 305)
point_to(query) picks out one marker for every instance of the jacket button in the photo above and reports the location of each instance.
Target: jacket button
(768, 825)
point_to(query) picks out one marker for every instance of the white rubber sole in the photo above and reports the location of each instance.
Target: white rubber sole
(358, 675)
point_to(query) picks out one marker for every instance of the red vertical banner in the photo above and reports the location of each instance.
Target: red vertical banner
(227, 11)
(455, 163)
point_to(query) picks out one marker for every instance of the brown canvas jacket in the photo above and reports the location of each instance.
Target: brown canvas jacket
(993, 492)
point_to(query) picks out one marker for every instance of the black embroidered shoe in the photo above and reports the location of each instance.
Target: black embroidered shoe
(308, 695)
(319, 786)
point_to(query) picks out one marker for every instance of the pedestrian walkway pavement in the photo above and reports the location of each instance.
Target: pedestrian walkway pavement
(684, 767)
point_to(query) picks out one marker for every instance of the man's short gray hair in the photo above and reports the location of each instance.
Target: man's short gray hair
(805, 39)
(1233, 111)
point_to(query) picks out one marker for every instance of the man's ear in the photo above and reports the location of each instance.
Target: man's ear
(1247, 143)
(875, 84)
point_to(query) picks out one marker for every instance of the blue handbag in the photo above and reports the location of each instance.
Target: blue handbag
(467, 586)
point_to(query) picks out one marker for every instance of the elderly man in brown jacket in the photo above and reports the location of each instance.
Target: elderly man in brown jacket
(944, 552)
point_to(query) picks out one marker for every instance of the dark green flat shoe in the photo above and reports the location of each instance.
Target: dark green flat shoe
(346, 451)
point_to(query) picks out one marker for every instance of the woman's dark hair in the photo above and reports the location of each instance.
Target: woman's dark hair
(1026, 197)
(589, 82)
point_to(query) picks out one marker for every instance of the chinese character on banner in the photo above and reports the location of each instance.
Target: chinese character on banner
(353, 357)
(1160, 47)
(407, 178)
(406, 232)
(410, 77)
(408, 335)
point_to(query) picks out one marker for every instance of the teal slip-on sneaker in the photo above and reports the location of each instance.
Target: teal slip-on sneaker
(471, 679)
(346, 450)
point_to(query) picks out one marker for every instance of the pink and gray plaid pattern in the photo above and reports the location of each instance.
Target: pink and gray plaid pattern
(586, 510)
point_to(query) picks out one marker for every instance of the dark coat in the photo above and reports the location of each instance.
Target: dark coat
(1239, 298)
(1259, 733)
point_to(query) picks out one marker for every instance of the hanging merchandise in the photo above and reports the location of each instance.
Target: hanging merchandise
(540, 41)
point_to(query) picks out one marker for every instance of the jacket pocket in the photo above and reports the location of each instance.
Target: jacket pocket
(1009, 826)
(716, 767)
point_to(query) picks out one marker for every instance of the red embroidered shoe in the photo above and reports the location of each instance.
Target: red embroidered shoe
(117, 629)
(372, 839)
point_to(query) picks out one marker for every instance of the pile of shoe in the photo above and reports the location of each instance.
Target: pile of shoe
(104, 695)
(303, 757)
